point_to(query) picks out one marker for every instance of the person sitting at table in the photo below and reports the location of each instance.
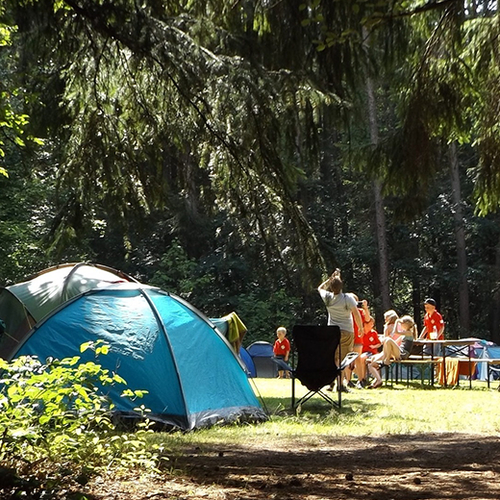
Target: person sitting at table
(395, 347)
(433, 322)
(390, 318)
(371, 345)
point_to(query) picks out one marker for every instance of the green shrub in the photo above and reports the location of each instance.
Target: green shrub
(54, 415)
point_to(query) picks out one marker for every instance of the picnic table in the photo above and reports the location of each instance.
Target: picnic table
(456, 359)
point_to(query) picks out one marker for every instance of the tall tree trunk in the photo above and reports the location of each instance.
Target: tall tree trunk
(463, 287)
(380, 226)
(495, 306)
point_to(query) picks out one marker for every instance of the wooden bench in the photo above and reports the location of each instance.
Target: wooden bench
(415, 360)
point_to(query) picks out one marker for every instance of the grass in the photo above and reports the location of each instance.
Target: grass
(397, 410)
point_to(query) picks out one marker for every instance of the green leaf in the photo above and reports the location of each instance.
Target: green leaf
(104, 349)
(85, 346)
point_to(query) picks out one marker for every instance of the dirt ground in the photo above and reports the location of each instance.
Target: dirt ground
(437, 466)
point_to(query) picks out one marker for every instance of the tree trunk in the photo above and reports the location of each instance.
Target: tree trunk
(380, 226)
(495, 306)
(463, 287)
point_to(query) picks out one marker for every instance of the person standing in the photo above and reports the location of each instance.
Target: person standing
(342, 312)
(433, 327)
(358, 341)
(281, 349)
(433, 322)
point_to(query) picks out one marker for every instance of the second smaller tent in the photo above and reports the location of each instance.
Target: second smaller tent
(24, 304)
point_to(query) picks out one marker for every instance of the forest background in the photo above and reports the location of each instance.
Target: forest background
(235, 153)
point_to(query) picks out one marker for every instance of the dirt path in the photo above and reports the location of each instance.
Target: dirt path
(441, 466)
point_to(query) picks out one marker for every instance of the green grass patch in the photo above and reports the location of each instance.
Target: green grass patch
(396, 410)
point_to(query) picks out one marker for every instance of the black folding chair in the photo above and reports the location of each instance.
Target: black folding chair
(315, 349)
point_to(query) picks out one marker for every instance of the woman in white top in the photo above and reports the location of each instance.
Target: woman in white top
(341, 308)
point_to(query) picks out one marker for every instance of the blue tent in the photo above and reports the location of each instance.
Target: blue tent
(485, 349)
(262, 357)
(248, 362)
(158, 343)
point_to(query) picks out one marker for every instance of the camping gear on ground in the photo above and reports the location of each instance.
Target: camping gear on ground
(262, 357)
(158, 343)
(24, 304)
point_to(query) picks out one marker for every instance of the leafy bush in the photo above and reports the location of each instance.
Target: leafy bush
(54, 417)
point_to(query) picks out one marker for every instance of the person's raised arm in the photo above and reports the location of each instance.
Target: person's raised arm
(366, 310)
(357, 318)
(396, 328)
(325, 283)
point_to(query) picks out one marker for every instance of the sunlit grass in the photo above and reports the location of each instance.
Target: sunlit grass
(398, 410)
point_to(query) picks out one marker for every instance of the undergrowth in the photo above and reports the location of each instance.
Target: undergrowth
(56, 426)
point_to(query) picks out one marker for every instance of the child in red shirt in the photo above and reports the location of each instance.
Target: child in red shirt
(281, 349)
(371, 345)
